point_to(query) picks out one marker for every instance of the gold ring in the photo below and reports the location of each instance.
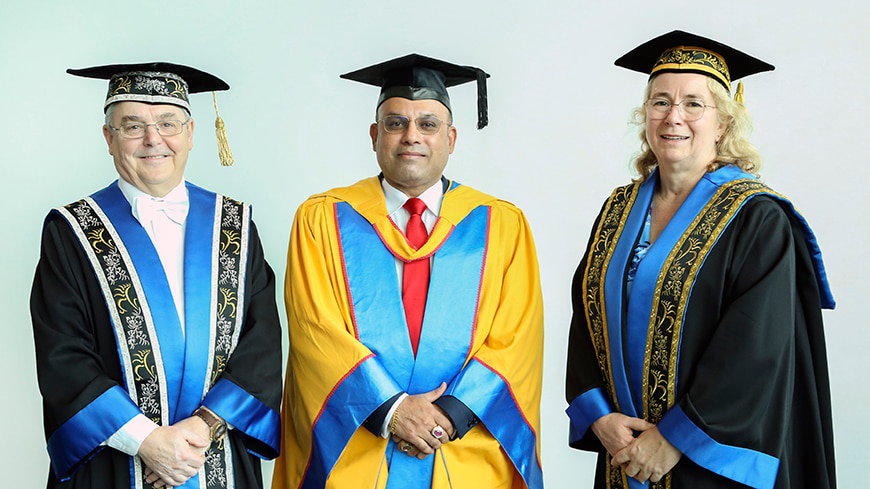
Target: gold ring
(404, 446)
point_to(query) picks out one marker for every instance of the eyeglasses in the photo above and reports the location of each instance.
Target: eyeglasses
(691, 110)
(136, 130)
(427, 125)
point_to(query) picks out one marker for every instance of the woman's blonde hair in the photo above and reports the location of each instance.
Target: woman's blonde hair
(733, 148)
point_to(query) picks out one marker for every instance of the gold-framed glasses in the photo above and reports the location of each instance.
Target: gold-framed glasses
(690, 109)
(426, 124)
(136, 130)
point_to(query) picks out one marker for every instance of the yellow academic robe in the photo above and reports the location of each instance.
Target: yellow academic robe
(350, 350)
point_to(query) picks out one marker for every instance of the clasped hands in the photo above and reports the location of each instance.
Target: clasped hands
(649, 456)
(415, 420)
(174, 454)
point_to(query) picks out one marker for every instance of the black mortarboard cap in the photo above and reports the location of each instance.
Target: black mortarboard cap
(417, 77)
(154, 83)
(161, 83)
(682, 52)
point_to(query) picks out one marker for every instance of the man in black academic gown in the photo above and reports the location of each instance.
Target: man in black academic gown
(154, 317)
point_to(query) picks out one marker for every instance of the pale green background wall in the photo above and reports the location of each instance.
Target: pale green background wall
(558, 136)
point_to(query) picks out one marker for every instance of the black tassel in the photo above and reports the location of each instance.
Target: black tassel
(482, 110)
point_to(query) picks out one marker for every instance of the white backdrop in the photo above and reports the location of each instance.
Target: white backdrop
(558, 138)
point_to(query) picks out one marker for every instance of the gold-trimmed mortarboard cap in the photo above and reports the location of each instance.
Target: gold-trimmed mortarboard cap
(682, 52)
(160, 83)
(153, 83)
(417, 77)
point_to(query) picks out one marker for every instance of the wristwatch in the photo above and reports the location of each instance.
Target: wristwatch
(216, 425)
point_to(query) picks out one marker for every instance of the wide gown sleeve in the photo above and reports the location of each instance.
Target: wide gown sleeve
(501, 382)
(333, 381)
(80, 382)
(734, 404)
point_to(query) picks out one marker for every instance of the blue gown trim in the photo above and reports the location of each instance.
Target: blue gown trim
(640, 302)
(200, 241)
(584, 410)
(448, 325)
(755, 469)
(246, 414)
(343, 413)
(629, 403)
(648, 270)
(148, 267)
(486, 393)
(81, 436)
(445, 339)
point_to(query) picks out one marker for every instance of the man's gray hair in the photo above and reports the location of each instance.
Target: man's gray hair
(110, 111)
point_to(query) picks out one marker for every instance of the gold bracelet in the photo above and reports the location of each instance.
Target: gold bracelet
(394, 421)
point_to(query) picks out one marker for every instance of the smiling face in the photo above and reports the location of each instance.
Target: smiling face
(411, 161)
(154, 164)
(678, 144)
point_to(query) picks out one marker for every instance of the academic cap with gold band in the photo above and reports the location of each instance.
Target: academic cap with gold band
(160, 83)
(682, 52)
(417, 77)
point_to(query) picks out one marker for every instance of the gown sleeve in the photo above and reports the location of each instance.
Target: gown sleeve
(501, 382)
(744, 322)
(333, 381)
(83, 401)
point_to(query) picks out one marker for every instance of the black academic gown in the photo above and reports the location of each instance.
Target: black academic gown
(77, 354)
(752, 370)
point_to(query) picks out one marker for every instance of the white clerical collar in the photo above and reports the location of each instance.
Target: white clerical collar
(395, 198)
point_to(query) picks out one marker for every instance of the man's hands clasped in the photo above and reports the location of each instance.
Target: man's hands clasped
(174, 454)
(417, 421)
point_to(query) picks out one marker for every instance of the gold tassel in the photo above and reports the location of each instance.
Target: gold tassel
(224, 151)
(738, 97)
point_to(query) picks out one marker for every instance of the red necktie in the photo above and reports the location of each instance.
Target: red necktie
(415, 279)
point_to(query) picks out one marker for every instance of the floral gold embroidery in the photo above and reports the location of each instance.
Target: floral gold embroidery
(612, 222)
(694, 56)
(673, 287)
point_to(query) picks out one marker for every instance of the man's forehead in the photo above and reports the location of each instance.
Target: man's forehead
(138, 109)
(400, 105)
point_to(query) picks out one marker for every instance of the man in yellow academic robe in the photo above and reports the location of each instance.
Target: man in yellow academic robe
(383, 391)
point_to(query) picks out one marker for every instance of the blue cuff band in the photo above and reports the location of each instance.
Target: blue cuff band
(79, 439)
(343, 413)
(750, 467)
(247, 414)
(489, 396)
(586, 409)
